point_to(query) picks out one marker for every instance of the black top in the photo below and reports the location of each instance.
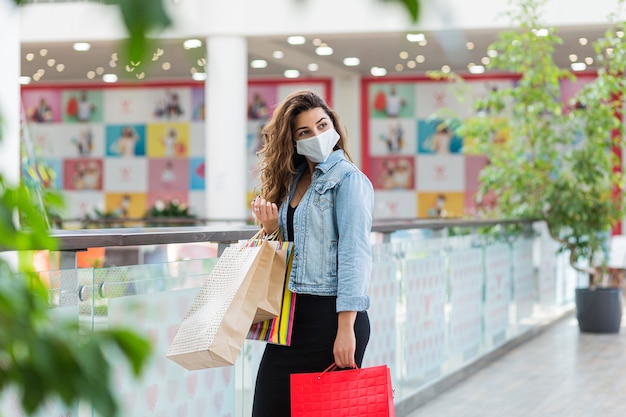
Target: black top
(290, 212)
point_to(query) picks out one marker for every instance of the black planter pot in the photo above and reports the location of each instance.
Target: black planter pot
(599, 310)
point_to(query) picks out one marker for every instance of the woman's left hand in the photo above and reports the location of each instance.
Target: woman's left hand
(345, 342)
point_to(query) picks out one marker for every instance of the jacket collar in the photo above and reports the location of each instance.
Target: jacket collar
(325, 166)
(332, 160)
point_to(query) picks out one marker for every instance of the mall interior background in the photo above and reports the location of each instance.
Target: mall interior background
(180, 125)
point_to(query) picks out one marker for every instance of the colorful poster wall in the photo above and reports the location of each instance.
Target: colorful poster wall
(418, 165)
(118, 150)
(123, 150)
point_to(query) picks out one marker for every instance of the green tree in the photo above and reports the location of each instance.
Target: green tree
(556, 163)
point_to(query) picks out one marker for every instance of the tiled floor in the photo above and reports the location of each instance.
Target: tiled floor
(560, 373)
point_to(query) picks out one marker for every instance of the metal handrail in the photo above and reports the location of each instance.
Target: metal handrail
(75, 240)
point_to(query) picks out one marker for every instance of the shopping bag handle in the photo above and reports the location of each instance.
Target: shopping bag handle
(260, 235)
(331, 368)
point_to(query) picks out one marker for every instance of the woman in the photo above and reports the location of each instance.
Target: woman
(317, 198)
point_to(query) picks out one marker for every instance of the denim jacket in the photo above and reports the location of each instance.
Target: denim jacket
(332, 225)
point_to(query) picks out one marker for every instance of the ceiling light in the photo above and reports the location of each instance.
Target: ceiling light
(60, 67)
(415, 37)
(324, 50)
(620, 34)
(609, 51)
(399, 67)
(445, 69)
(541, 32)
(199, 76)
(588, 60)
(30, 56)
(317, 41)
(583, 41)
(41, 72)
(258, 63)
(141, 75)
(485, 60)
(166, 66)
(573, 57)
(476, 69)
(378, 71)
(492, 53)
(578, 66)
(25, 80)
(291, 73)
(81, 46)
(351, 61)
(109, 78)
(43, 52)
(193, 70)
(423, 42)
(404, 55)
(112, 63)
(469, 45)
(99, 70)
(91, 75)
(51, 62)
(114, 56)
(411, 64)
(278, 54)
(296, 40)
(36, 77)
(192, 43)
(420, 58)
(313, 67)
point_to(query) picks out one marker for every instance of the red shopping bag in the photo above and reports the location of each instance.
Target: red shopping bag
(360, 392)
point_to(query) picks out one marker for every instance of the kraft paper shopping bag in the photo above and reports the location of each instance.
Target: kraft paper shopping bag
(278, 330)
(272, 297)
(213, 330)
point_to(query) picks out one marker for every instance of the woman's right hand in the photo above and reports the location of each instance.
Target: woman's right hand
(266, 213)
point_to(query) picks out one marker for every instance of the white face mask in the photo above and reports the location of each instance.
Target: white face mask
(318, 148)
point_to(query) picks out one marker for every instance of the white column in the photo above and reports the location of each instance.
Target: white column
(346, 102)
(9, 92)
(225, 129)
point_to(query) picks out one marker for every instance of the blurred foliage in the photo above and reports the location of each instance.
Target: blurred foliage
(34, 350)
(550, 159)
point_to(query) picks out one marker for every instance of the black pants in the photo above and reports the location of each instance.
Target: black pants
(311, 350)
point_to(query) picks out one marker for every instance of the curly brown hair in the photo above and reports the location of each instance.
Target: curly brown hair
(278, 157)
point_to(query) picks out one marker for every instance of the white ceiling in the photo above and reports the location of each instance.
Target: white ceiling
(382, 50)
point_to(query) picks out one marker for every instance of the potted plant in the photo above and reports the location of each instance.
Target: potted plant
(558, 162)
(168, 213)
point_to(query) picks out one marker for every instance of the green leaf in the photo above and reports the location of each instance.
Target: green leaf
(143, 19)
(413, 7)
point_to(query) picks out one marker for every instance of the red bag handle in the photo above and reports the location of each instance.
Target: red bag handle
(332, 368)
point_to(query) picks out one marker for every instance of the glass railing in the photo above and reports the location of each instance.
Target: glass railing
(442, 298)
